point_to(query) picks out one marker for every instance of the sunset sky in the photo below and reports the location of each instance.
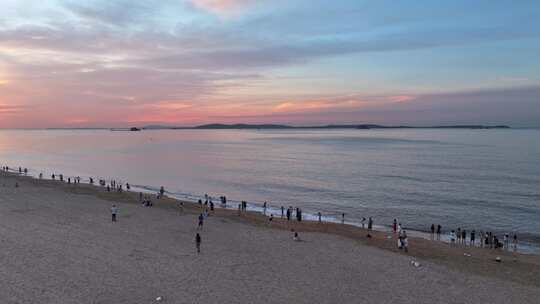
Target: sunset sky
(111, 63)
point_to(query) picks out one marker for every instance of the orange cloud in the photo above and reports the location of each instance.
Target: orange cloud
(315, 105)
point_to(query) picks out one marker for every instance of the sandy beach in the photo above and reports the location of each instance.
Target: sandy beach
(58, 245)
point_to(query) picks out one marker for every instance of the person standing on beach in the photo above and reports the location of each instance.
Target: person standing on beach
(464, 237)
(264, 208)
(515, 242)
(363, 223)
(432, 231)
(114, 212)
(198, 242)
(319, 214)
(289, 214)
(471, 243)
(161, 191)
(201, 220)
(394, 226)
(282, 211)
(452, 237)
(405, 241)
(458, 235)
(370, 223)
(439, 232)
(343, 218)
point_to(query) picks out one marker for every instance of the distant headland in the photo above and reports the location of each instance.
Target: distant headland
(285, 127)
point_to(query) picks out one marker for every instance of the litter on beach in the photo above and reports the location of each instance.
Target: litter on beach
(415, 264)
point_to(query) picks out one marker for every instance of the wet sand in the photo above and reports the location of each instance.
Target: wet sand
(58, 245)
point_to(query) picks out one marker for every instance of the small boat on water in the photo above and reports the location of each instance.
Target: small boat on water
(132, 129)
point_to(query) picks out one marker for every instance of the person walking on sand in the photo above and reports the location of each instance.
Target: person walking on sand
(201, 220)
(114, 212)
(370, 223)
(198, 242)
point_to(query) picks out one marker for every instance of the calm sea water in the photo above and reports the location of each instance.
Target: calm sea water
(473, 179)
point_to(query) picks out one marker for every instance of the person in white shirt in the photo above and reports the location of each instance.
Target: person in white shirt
(114, 212)
(452, 237)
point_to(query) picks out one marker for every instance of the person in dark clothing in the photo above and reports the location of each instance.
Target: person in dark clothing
(198, 242)
(473, 235)
(161, 191)
(289, 214)
(432, 231)
(439, 232)
(370, 223)
(201, 220)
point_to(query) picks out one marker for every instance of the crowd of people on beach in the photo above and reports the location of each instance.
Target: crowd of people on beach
(460, 237)
(485, 239)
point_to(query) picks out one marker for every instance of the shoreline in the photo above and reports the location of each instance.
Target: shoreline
(525, 246)
(516, 267)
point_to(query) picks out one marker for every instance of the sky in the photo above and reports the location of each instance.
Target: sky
(115, 63)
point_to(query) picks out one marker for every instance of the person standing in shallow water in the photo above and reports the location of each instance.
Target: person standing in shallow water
(198, 242)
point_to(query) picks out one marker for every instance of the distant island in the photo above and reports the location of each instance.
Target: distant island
(285, 127)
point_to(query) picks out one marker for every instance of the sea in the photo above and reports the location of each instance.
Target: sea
(473, 179)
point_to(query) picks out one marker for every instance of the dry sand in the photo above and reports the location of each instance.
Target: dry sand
(58, 245)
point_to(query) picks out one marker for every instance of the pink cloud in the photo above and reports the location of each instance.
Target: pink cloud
(223, 8)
